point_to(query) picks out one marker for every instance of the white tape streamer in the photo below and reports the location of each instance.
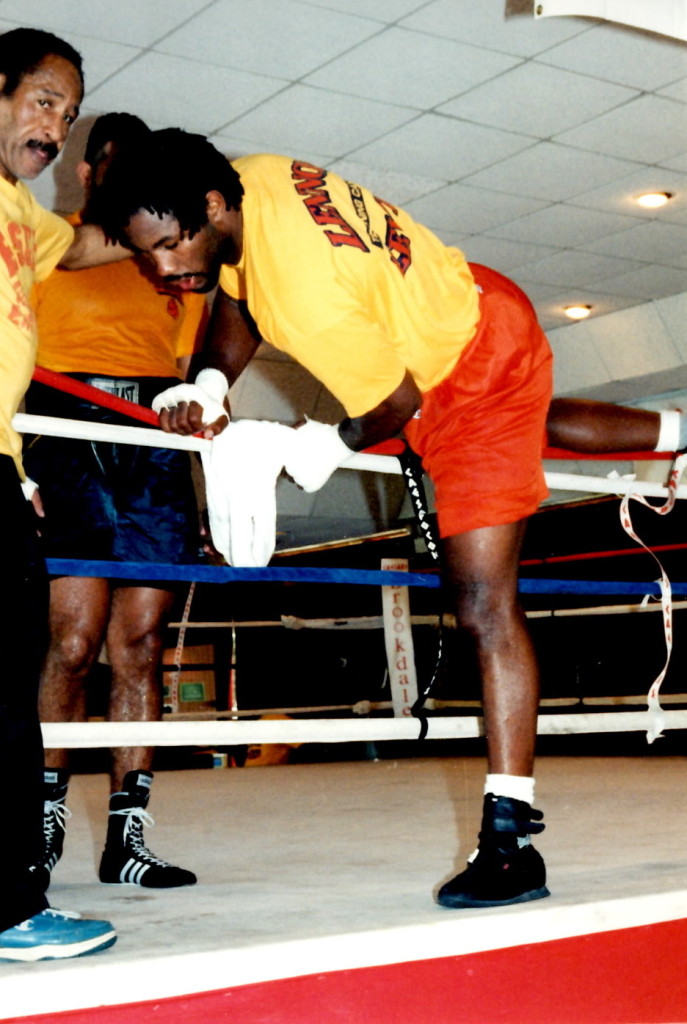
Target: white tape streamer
(656, 712)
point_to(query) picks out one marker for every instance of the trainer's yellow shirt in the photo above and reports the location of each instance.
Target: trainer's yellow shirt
(114, 320)
(350, 286)
(32, 241)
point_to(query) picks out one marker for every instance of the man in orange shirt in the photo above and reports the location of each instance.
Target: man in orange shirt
(118, 330)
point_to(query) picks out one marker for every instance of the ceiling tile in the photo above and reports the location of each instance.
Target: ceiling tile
(380, 10)
(576, 269)
(284, 38)
(678, 163)
(537, 100)
(468, 210)
(563, 225)
(399, 66)
(302, 118)
(487, 25)
(501, 254)
(441, 147)
(675, 91)
(551, 310)
(650, 241)
(538, 294)
(550, 171)
(164, 88)
(616, 54)
(102, 59)
(127, 21)
(619, 195)
(650, 282)
(648, 129)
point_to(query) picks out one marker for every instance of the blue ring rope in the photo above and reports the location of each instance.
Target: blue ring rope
(531, 586)
(231, 574)
(293, 574)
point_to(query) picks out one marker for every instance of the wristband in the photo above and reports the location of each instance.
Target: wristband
(214, 383)
(669, 432)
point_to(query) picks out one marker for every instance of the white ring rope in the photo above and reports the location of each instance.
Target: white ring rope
(323, 730)
(83, 430)
(86, 431)
(233, 733)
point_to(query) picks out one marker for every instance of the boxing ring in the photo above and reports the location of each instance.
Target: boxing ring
(314, 897)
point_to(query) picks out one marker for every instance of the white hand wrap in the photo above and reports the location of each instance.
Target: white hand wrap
(209, 391)
(29, 487)
(241, 470)
(316, 451)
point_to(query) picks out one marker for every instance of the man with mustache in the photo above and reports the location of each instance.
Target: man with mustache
(41, 87)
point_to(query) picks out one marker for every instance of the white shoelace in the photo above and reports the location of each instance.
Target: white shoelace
(136, 818)
(28, 925)
(55, 812)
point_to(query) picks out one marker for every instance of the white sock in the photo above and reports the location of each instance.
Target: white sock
(682, 440)
(517, 787)
(672, 435)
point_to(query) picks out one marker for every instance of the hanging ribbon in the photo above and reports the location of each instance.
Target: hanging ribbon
(656, 713)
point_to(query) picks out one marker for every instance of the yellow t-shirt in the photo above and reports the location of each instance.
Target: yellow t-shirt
(350, 286)
(114, 320)
(32, 241)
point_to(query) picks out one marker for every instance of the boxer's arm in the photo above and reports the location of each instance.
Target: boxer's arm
(231, 341)
(90, 248)
(384, 421)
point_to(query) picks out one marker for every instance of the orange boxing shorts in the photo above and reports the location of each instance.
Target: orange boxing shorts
(481, 430)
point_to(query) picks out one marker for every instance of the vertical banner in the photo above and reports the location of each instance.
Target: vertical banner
(400, 653)
(667, 17)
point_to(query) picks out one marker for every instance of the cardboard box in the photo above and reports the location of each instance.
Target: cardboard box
(193, 687)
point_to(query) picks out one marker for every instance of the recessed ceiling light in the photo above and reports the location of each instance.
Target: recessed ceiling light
(577, 312)
(652, 200)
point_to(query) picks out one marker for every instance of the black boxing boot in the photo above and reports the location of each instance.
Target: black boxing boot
(505, 868)
(55, 815)
(125, 857)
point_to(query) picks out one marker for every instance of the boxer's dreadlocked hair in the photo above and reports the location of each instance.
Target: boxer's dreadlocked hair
(115, 128)
(168, 172)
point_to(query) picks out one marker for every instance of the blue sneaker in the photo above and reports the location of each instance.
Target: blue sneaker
(54, 935)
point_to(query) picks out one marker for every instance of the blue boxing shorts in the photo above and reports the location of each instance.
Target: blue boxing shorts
(111, 502)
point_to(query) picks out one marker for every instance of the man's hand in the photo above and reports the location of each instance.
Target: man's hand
(315, 452)
(195, 408)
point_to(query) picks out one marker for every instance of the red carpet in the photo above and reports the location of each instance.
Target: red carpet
(630, 976)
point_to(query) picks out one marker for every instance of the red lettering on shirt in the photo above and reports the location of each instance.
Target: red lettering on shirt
(21, 237)
(310, 186)
(16, 251)
(8, 257)
(396, 242)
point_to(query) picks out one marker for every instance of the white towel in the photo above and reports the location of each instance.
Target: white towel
(241, 470)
